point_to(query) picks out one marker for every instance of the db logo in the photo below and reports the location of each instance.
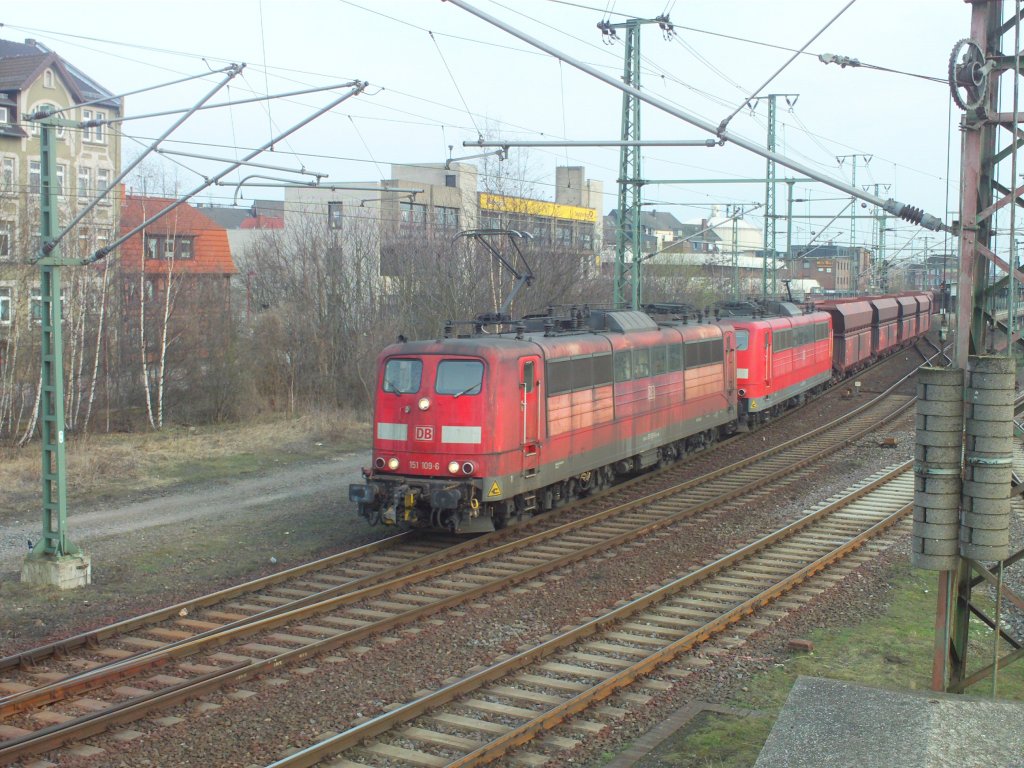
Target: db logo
(424, 433)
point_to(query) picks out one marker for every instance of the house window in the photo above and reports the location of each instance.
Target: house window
(48, 79)
(7, 174)
(34, 176)
(447, 218)
(5, 115)
(167, 247)
(102, 182)
(6, 300)
(6, 238)
(93, 133)
(563, 235)
(98, 134)
(449, 180)
(61, 173)
(413, 213)
(334, 214)
(84, 183)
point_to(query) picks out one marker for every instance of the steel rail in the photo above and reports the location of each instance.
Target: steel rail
(33, 656)
(523, 733)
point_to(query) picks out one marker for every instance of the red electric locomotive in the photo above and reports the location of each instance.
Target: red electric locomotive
(469, 432)
(779, 360)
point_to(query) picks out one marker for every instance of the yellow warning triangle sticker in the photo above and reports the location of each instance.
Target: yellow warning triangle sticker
(495, 489)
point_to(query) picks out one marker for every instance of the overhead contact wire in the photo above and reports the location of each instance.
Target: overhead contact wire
(454, 82)
(722, 126)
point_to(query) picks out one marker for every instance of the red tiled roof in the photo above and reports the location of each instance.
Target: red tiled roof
(263, 222)
(211, 252)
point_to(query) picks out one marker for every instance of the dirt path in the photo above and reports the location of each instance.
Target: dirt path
(183, 543)
(248, 498)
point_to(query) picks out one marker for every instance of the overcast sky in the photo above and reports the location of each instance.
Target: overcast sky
(440, 76)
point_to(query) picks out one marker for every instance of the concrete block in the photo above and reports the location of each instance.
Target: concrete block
(933, 562)
(936, 546)
(937, 516)
(986, 537)
(986, 522)
(982, 552)
(68, 572)
(945, 531)
(938, 455)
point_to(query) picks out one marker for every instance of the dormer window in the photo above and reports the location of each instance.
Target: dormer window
(48, 79)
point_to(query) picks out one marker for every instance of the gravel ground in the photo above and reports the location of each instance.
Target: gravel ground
(296, 706)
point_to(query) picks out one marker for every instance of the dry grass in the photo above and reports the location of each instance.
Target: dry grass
(101, 466)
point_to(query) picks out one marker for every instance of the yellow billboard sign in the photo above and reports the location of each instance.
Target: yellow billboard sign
(541, 208)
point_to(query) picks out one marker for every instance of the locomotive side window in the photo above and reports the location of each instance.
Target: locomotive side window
(459, 377)
(675, 357)
(402, 376)
(582, 373)
(705, 352)
(717, 350)
(624, 365)
(559, 376)
(742, 339)
(602, 370)
(659, 360)
(782, 340)
(641, 363)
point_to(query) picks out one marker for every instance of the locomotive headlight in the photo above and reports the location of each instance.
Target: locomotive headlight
(392, 463)
(467, 468)
(453, 467)
(424, 403)
(379, 462)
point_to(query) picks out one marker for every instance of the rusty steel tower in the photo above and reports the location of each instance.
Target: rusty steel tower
(971, 645)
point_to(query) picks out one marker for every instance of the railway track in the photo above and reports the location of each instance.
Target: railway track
(252, 638)
(493, 711)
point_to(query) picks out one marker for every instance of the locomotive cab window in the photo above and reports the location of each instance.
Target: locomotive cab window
(742, 338)
(528, 377)
(459, 377)
(402, 376)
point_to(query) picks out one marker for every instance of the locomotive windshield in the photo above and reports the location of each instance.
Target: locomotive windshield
(459, 377)
(402, 376)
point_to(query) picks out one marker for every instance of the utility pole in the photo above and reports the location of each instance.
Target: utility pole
(628, 232)
(853, 182)
(879, 241)
(968, 540)
(769, 190)
(736, 212)
(789, 225)
(54, 560)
